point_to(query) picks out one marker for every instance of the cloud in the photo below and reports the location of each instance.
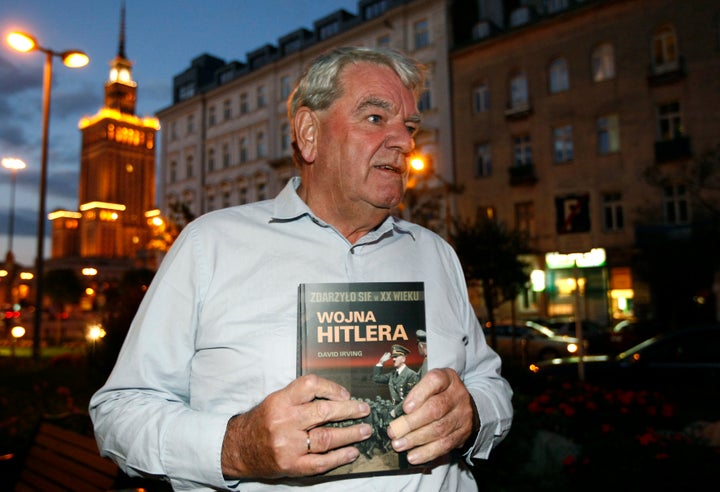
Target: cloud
(17, 78)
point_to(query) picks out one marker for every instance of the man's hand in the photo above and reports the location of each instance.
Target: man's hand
(283, 436)
(385, 357)
(439, 417)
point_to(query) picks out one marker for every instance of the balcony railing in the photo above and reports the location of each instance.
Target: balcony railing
(673, 150)
(522, 175)
(668, 73)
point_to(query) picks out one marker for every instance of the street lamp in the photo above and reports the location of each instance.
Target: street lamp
(74, 59)
(13, 165)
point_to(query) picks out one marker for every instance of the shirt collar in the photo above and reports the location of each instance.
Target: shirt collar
(290, 207)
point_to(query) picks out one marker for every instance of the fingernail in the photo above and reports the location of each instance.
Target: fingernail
(365, 431)
(399, 444)
(409, 406)
(364, 408)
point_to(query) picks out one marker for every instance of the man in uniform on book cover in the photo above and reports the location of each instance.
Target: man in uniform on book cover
(422, 350)
(400, 380)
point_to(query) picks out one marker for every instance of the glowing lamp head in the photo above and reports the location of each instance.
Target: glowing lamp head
(21, 42)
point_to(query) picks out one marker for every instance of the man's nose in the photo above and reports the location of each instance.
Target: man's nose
(400, 139)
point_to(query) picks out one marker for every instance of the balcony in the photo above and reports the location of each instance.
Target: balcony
(668, 73)
(672, 150)
(522, 175)
(518, 112)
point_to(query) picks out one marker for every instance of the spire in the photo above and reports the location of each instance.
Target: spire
(121, 46)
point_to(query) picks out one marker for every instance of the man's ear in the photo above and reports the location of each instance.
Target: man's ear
(306, 128)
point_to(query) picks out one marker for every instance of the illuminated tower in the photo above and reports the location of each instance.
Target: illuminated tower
(117, 169)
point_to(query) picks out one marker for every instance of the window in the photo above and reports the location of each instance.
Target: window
(191, 123)
(677, 208)
(554, 6)
(210, 203)
(189, 166)
(664, 50)
(375, 9)
(261, 149)
(285, 138)
(261, 99)
(227, 110)
(244, 103)
(225, 199)
(425, 99)
(285, 87)
(563, 143)
(211, 160)
(481, 30)
(518, 91)
(670, 121)
(608, 134)
(243, 150)
(383, 41)
(558, 75)
(211, 116)
(519, 16)
(481, 98)
(173, 171)
(242, 192)
(525, 218)
(173, 131)
(329, 29)
(421, 34)
(483, 160)
(522, 151)
(603, 62)
(226, 155)
(261, 191)
(613, 219)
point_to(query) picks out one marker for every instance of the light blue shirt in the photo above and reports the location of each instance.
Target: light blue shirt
(216, 333)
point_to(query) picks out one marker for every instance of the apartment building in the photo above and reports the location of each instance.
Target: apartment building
(226, 138)
(581, 123)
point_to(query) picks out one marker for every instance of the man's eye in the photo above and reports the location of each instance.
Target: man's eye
(374, 118)
(411, 130)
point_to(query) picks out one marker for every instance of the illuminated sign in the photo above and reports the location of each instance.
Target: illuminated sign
(594, 258)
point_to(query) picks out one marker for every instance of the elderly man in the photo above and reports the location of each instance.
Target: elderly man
(205, 392)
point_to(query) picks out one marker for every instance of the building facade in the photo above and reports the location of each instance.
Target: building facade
(226, 138)
(117, 179)
(582, 124)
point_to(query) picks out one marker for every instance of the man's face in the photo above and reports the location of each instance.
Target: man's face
(398, 361)
(363, 141)
(422, 348)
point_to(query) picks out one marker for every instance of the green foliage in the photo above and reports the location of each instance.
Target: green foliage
(63, 286)
(490, 254)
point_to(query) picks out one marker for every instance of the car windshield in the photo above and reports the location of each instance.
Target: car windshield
(542, 329)
(632, 353)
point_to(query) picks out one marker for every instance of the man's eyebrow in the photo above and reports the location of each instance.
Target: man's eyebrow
(377, 102)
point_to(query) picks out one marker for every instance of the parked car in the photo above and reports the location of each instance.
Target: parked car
(593, 333)
(683, 365)
(628, 333)
(530, 341)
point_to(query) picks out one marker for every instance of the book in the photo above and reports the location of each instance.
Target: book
(344, 330)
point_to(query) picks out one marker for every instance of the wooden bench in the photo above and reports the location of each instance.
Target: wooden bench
(63, 460)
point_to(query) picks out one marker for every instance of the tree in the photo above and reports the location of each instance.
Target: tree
(64, 288)
(679, 259)
(489, 254)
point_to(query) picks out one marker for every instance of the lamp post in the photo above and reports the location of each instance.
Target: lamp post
(422, 171)
(13, 165)
(74, 59)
